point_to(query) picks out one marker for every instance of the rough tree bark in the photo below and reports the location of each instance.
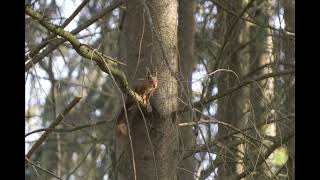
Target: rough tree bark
(150, 32)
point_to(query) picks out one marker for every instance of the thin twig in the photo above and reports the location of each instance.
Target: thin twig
(52, 126)
(127, 121)
(150, 142)
(37, 49)
(35, 59)
(268, 65)
(267, 154)
(228, 34)
(219, 70)
(130, 138)
(251, 20)
(236, 131)
(105, 63)
(41, 168)
(245, 129)
(67, 130)
(186, 170)
(81, 161)
(233, 89)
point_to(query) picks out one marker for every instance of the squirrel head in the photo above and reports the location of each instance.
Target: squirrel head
(153, 80)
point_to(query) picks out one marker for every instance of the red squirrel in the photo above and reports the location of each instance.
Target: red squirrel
(145, 88)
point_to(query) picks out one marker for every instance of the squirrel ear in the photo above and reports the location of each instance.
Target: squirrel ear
(148, 75)
(148, 71)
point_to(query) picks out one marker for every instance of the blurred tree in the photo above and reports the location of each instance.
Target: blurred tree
(186, 30)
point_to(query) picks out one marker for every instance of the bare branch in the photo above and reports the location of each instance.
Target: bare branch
(231, 90)
(228, 33)
(52, 125)
(81, 161)
(105, 63)
(267, 154)
(236, 131)
(251, 20)
(36, 50)
(188, 171)
(41, 168)
(67, 130)
(56, 43)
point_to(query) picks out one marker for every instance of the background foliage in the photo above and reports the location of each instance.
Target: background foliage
(242, 78)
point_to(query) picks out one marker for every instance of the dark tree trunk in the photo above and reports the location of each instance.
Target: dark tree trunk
(186, 29)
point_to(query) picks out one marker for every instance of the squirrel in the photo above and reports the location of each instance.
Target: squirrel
(145, 88)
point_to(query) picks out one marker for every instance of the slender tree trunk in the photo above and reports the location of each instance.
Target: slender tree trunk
(233, 109)
(243, 102)
(186, 30)
(150, 29)
(263, 92)
(289, 50)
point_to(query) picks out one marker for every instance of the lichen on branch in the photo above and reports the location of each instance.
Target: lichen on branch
(105, 63)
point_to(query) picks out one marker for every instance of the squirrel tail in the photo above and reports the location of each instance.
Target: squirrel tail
(121, 128)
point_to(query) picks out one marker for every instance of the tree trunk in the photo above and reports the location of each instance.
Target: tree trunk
(186, 30)
(289, 103)
(150, 30)
(263, 92)
(233, 109)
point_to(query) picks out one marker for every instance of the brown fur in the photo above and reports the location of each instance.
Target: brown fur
(145, 88)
